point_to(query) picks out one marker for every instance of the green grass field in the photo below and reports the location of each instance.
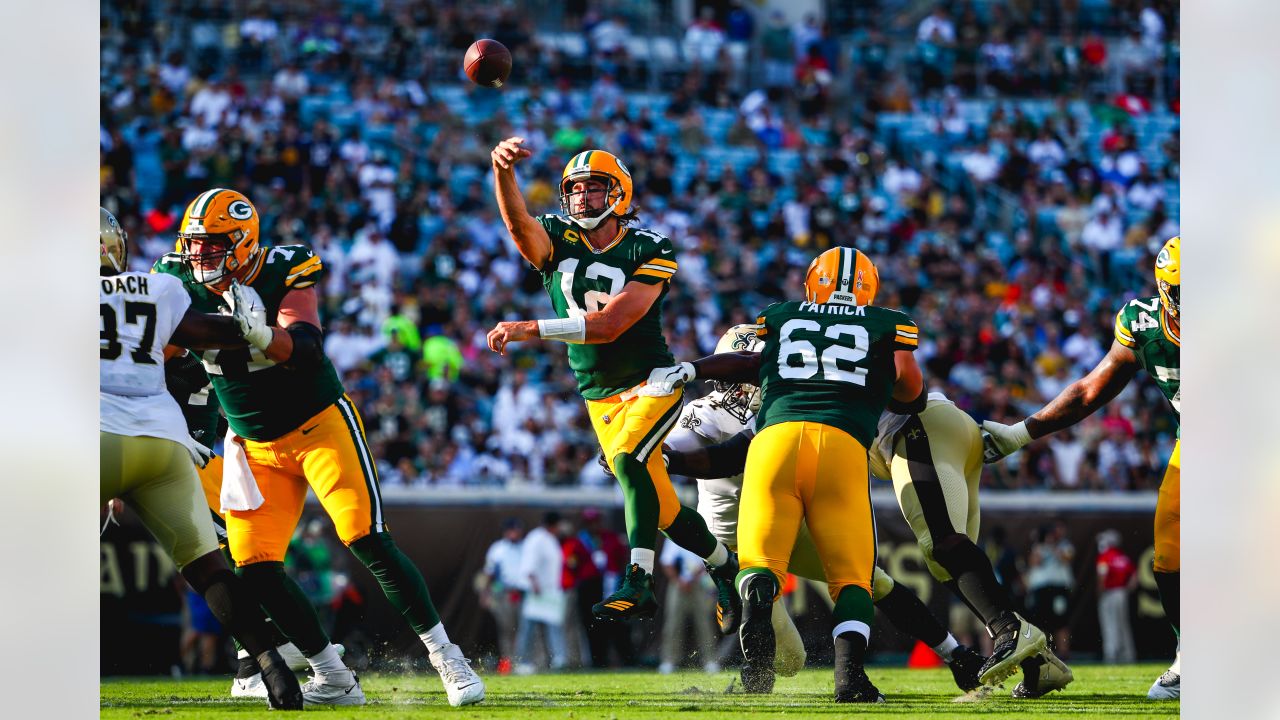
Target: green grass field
(1098, 691)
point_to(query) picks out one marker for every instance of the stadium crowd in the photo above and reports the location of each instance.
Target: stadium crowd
(1011, 166)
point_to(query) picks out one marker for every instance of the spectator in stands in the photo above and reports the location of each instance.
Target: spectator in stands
(778, 48)
(501, 588)
(690, 599)
(541, 564)
(1050, 581)
(1117, 578)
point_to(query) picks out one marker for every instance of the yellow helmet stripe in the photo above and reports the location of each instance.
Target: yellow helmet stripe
(201, 204)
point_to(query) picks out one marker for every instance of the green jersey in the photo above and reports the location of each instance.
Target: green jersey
(581, 279)
(830, 363)
(261, 398)
(1141, 327)
(188, 383)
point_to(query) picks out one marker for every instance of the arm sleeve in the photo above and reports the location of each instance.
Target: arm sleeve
(658, 260)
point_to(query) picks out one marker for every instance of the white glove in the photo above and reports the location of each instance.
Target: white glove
(250, 314)
(200, 455)
(664, 381)
(1000, 440)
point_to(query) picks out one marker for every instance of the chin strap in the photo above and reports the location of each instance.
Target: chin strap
(591, 223)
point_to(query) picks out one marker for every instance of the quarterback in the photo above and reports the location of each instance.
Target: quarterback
(292, 426)
(1147, 337)
(146, 455)
(606, 281)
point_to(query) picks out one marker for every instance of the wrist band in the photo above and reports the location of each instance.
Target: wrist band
(570, 330)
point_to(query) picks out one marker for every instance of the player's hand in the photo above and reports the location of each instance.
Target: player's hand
(664, 381)
(1000, 440)
(509, 332)
(200, 455)
(250, 313)
(604, 464)
(508, 153)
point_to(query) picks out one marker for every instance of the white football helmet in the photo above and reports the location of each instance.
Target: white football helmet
(741, 399)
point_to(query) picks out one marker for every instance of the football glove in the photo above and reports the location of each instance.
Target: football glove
(664, 381)
(1000, 440)
(250, 313)
(200, 455)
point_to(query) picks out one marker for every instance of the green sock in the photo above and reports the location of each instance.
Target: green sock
(287, 605)
(690, 532)
(400, 579)
(745, 573)
(854, 603)
(640, 501)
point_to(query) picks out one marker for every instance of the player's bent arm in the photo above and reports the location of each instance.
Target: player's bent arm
(910, 381)
(530, 237)
(201, 331)
(1083, 397)
(723, 460)
(737, 367)
(624, 310)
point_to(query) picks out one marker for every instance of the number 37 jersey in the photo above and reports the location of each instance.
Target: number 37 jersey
(580, 280)
(137, 314)
(830, 363)
(262, 399)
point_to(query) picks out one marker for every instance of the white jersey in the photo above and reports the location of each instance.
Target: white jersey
(705, 422)
(138, 313)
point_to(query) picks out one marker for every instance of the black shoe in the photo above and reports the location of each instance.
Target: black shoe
(1017, 642)
(853, 686)
(965, 664)
(728, 604)
(756, 634)
(633, 599)
(1041, 675)
(283, 691)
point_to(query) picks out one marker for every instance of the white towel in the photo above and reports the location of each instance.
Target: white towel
(239, 489)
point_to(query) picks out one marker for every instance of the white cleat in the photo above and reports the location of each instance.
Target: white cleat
(250, 687)
(1166, 687)
(461, 684)
(1043, 674)
(333, 690)
(296, 661)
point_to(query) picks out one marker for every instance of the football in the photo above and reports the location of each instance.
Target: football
(487, 63)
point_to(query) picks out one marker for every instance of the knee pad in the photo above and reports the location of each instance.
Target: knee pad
(881, 584)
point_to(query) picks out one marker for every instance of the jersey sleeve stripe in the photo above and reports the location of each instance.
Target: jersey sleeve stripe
(908, 343)
(659, 268)
(313, 260)
(652, 273)
(907, 328)
(294, 278)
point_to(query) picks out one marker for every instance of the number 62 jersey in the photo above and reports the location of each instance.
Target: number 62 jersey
(1140, 326)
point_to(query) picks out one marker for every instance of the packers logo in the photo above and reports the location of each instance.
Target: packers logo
(240, 210)
(572, 236)
(1162, 260)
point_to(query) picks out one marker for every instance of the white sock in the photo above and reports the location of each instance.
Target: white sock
(326, 662)
(435, 638)
(643, 558)
(719, 556)
(852, 625)
(946, 647)
(1177, 661)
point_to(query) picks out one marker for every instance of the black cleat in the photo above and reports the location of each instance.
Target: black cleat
(853, 686)
(1016, 643)
(965, 664)
(756, 634)
(283, 691)
(728, 604)
(634, 598)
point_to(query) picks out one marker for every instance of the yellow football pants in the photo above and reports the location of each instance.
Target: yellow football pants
(329, 454)
(806, 563)
(804, 471)
(637, 425)
(1168, 557)
(158, 480)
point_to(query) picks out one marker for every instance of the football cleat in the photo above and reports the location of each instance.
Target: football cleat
(965, 664)
(461, 684)
(728, 604)
(279, 682)
(755, 634)
(1041, 675)
(337, 689)
(1012, 647)
(250, 687)
(633, 599)
(853, 686)
(1166, 687)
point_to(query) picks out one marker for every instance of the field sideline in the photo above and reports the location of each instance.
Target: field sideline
(1098, 691)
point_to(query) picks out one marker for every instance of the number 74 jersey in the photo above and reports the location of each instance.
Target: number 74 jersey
(580, 280)
(262, 399)
(830, 363)
(1140, 326)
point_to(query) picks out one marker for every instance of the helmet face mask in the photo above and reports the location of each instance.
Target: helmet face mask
(738, 399)
(206, 256)
(113, 244)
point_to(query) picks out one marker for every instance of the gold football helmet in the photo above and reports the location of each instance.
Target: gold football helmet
(113, 244)
(599, 165)
(1169, 276)
(844, 275)
(224, 226)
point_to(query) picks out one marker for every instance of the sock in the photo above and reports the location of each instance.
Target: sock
(435, 638)
(400, 579)
(640, 501)
(946, 647)
(976, 582)
(326, 662)
(287, 604)
(643, 558)
(690, 532)
(1170, 597)
(851, 650)
(246, 667)
(907, 613)
(719, 556)
(853, 605)
(232, 603)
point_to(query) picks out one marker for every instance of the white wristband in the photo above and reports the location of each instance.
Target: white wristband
(570, 330)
